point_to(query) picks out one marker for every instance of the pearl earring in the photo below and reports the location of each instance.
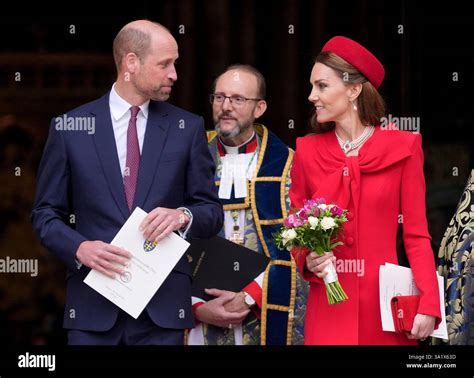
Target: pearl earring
(354, 106)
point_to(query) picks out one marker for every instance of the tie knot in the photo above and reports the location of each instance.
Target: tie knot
(134, 110)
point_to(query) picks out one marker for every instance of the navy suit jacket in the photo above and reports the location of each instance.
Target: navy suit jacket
(80, 196)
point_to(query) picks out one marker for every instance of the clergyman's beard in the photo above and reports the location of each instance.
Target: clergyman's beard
(236, 131)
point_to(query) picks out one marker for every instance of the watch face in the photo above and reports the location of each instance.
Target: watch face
(249, 300)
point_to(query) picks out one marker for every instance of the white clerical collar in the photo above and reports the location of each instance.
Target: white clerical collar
(235, 149)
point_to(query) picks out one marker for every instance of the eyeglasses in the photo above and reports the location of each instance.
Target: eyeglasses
(237, 101)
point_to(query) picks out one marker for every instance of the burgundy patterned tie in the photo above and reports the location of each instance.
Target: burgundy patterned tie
(133, 158)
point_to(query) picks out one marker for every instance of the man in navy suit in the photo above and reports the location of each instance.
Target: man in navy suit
(129, 148)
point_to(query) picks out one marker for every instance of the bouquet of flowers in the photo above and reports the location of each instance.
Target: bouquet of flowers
(316, 227)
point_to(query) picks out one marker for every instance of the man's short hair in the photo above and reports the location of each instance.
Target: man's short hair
(261, 85)
(132, 39)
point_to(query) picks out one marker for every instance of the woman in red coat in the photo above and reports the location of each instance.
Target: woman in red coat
(377, 174)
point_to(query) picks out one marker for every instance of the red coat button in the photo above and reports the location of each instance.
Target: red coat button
(349, 216)
(349, 240)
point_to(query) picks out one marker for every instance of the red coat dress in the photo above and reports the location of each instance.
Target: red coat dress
(382, 186)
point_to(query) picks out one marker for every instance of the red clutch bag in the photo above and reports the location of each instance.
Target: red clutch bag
(404, 309)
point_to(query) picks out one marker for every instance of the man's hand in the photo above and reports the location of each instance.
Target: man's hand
(161, 222)
(213, 312)
(105, 258)
(237, 304)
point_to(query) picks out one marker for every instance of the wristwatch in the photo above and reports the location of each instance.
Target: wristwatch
(249, 301)
(186, 212)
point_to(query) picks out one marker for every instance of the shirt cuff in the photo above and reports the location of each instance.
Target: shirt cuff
(184, 231)
(255, 291)
(78, 264)
(196, 303)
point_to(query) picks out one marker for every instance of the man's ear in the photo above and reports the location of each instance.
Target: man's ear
(260, 109)
(132, 62)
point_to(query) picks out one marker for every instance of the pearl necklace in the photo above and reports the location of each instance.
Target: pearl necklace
(348, 145)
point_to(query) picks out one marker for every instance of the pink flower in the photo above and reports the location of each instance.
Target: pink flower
(287, 223)
(316, 212)
(320, 200)
(298, 222)
(309, 204)
(303, 215)
(336, 211)
(290, 221)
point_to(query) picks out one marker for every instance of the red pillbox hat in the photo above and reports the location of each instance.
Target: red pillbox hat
(358, 56)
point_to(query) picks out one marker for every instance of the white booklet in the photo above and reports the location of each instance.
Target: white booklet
(398, 280)
(148, 268)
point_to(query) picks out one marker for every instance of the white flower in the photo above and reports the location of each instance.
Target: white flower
(327, 223)
(313, 222)
(288, 235)
(323, 206)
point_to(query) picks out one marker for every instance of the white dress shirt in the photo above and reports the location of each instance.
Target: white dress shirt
(120, 114)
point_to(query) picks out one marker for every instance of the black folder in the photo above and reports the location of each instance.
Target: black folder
(221, 264)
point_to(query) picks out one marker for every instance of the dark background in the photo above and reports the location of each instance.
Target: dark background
(61, 70)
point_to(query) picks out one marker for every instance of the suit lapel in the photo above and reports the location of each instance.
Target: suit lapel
(153, 144)
(106, 147)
